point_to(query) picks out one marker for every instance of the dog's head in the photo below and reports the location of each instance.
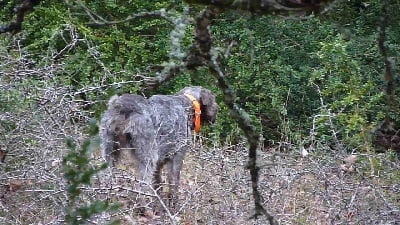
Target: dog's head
(206, 98)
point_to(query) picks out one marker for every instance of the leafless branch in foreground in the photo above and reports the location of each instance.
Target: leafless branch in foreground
(200, 53)
(386, 135)
(243, 120)
(389, 72)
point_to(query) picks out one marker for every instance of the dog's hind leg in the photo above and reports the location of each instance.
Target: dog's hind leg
(174, 167)
(144, 149)
(158, 179)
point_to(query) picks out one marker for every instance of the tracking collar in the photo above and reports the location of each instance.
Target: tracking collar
(197, 112)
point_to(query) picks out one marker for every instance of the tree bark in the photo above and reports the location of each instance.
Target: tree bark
(20, 11)
(268, 6)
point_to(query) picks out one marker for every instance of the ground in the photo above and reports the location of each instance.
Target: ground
(319, 187)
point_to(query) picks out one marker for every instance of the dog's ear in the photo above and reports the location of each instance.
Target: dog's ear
(209, 106)
(206, 97)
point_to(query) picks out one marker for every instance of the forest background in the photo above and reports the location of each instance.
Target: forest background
(321, 92)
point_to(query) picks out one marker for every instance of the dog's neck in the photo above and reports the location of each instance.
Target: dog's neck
(197, 112)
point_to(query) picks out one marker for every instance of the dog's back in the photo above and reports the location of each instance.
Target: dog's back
(170, 119)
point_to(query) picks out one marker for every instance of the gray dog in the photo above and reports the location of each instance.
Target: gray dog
(155, 132)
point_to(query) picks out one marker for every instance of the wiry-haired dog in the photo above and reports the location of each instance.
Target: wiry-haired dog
(156, 132)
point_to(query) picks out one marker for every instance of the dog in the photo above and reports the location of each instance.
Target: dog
(155, 133)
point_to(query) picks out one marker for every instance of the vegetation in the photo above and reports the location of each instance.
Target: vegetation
(79, 172)
(317, 89)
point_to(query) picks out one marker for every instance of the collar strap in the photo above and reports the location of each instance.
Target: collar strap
(197, 112)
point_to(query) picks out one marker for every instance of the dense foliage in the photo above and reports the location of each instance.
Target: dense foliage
(291, 76)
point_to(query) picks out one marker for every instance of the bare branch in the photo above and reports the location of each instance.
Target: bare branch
(90, 12)
(75, 40)
(385, 135)
(176, 55)
(243, 120)
(389, 74)
(169, 71)
(21, 11)
(268, 6)
(154, 14)
(201, 53)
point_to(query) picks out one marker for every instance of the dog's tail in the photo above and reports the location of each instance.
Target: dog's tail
(121, 106)
(110, 125)
(127, 118)
(114, 102)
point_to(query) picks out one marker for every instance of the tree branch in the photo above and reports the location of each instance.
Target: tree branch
(268, 6)
(176, 56)
(201, 53)
(155, 14)
(385, 134)
(20, 11)
(168, 72)
(389, 74)
(244, 122)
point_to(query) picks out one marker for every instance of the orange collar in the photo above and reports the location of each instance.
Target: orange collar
(197, 112)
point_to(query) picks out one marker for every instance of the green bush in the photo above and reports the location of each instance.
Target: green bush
(349, 95)
(78, 172)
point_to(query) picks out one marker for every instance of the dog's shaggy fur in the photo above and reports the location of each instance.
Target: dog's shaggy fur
(154, 132)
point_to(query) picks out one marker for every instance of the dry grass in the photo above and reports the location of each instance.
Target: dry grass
(215, 188)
